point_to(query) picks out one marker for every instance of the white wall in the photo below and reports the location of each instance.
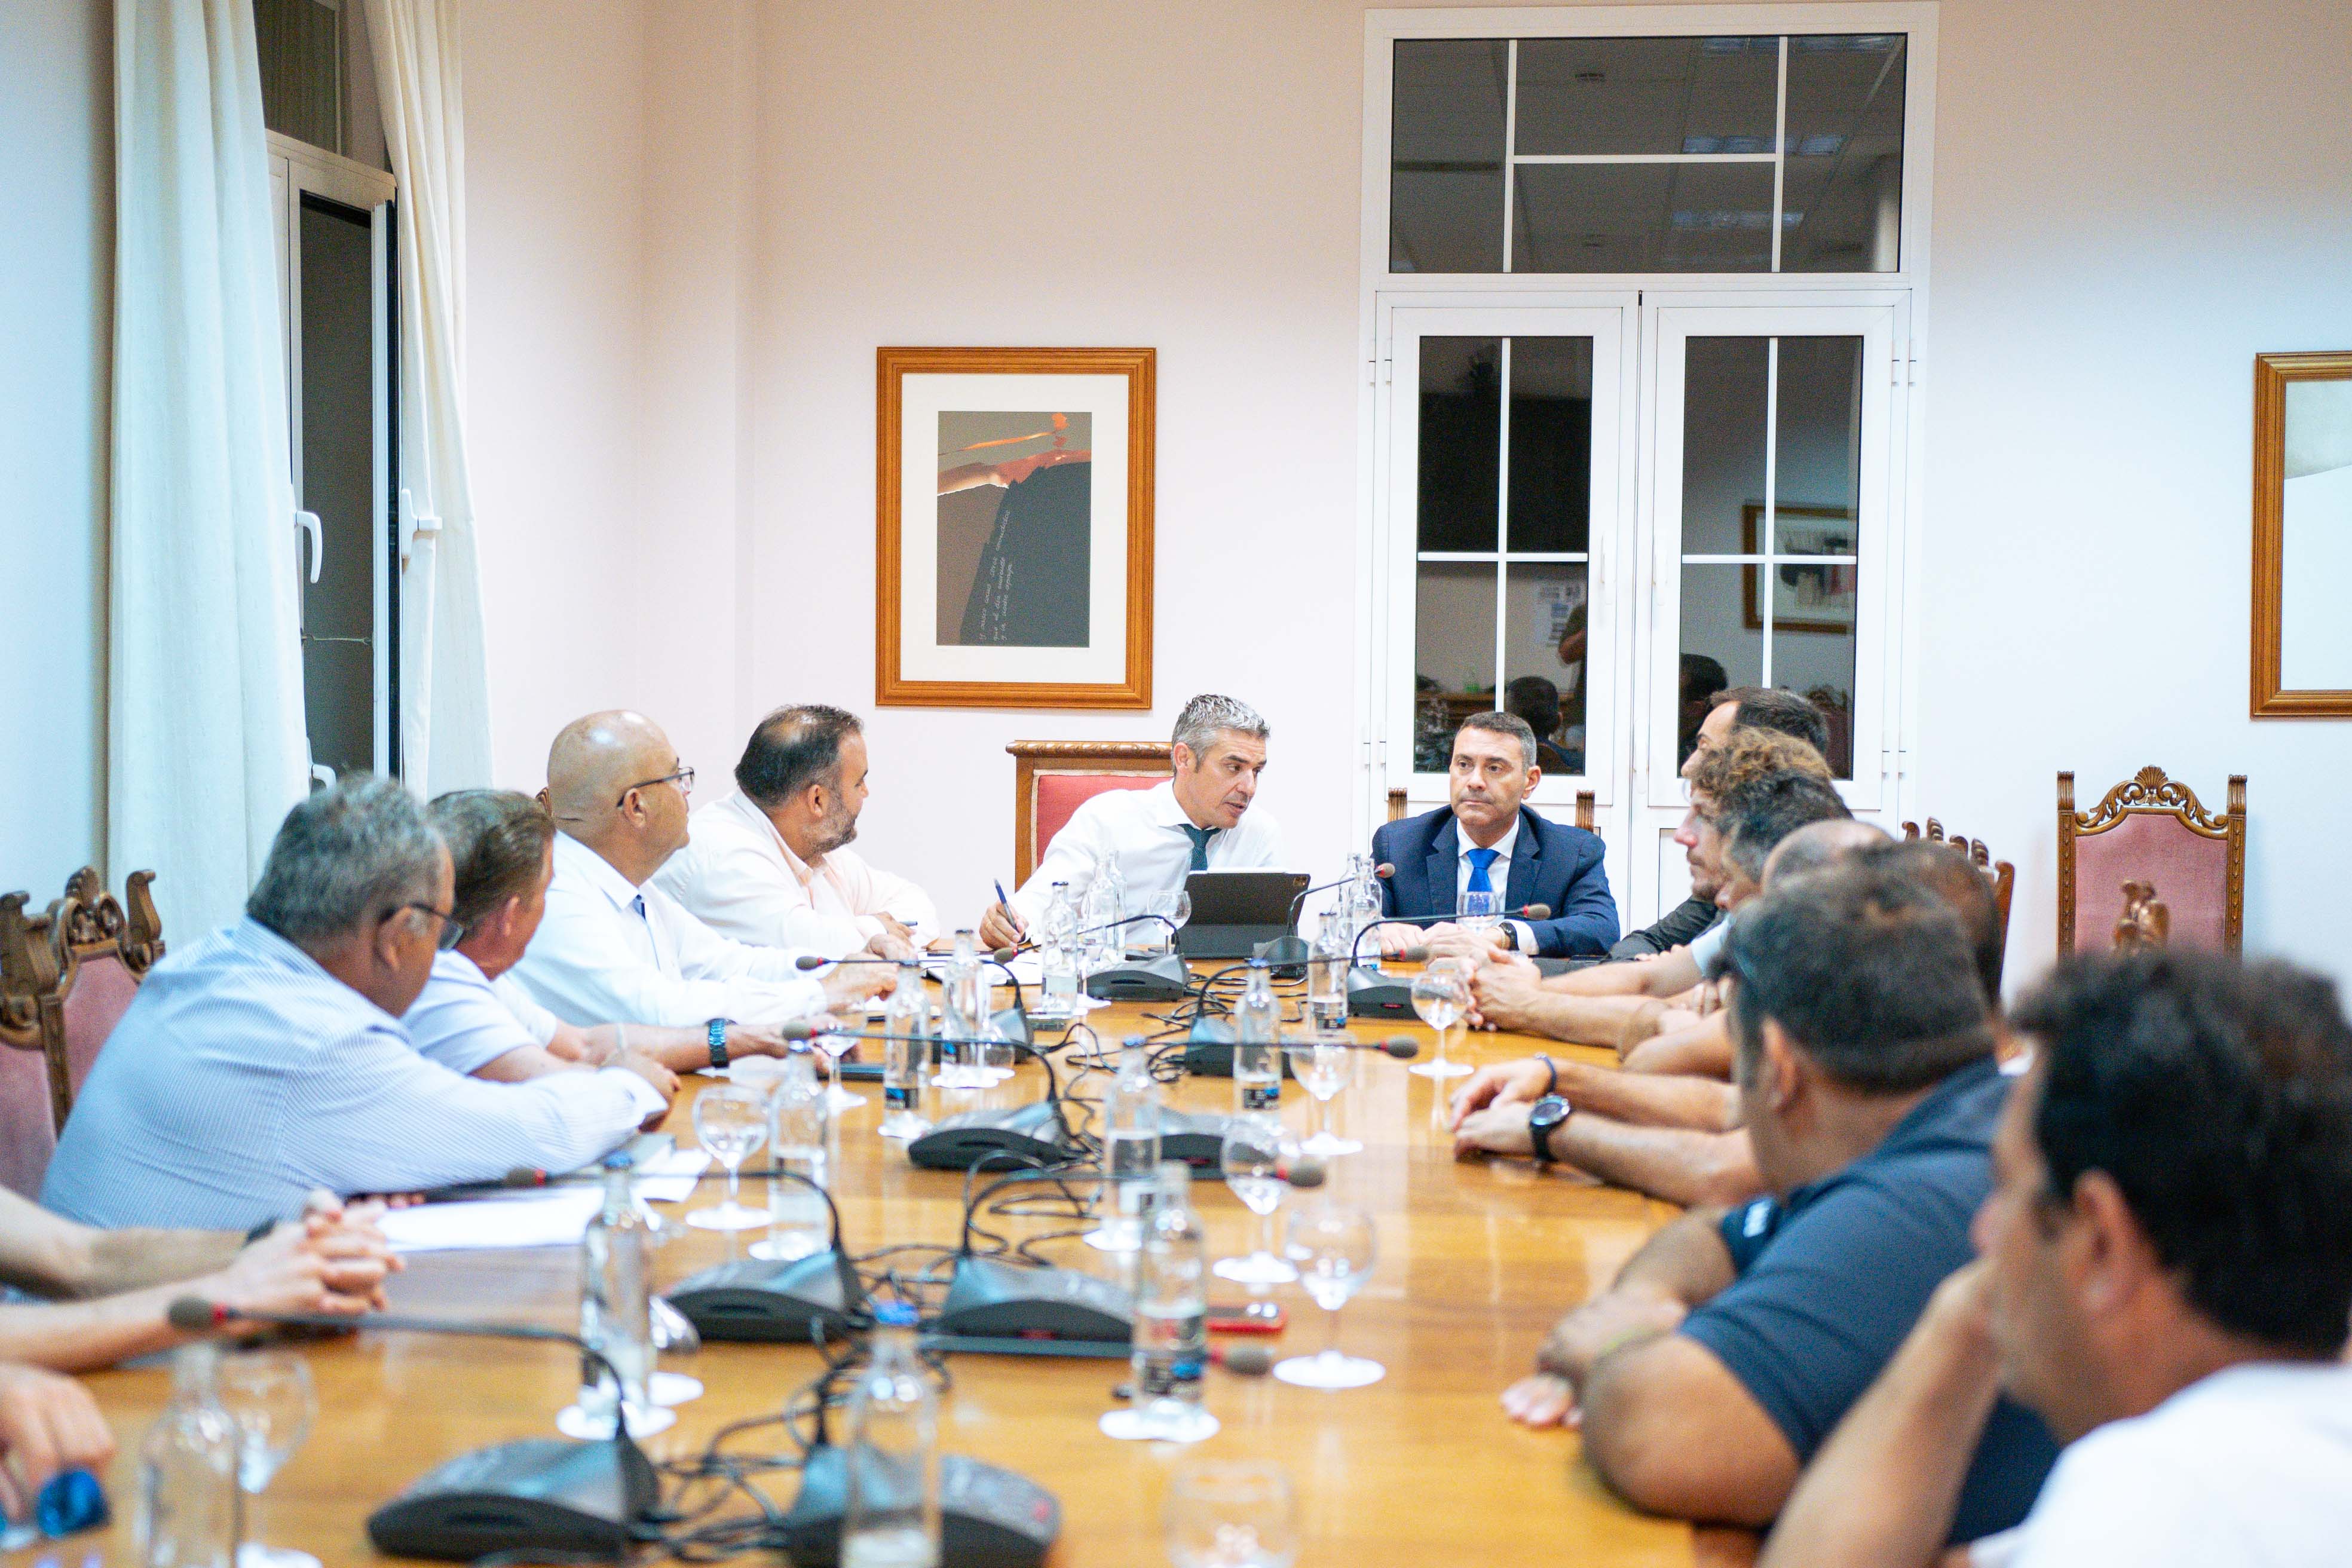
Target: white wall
(57, 312)
(2130, 202)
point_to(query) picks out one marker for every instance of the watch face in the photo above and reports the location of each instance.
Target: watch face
(1549, 1112)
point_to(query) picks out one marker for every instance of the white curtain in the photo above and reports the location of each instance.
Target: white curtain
(205, 736)
(445, 700)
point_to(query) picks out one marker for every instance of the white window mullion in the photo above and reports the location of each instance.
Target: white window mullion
(1771, 540)
(1510, 145)
(1780, 152)
(1502, 519)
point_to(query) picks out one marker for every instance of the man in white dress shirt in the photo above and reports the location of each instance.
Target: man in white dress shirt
(770, 864)
(267, 1060)
(614, 946)
(1199, 820)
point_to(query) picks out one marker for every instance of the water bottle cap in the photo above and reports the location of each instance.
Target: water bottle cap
(1135, 1042)
(619, 1160)
(894, 1314)
(1258, 963)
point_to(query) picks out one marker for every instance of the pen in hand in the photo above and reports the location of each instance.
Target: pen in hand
(1019, 927)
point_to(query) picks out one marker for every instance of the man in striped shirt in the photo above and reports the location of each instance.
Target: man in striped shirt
(269, 1059)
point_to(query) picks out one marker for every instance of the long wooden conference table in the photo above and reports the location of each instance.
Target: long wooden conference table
(1476, 1260)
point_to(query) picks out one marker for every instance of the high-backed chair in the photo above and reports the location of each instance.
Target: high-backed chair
(2000, 873)
(29, 1111)
(1584, 807)
(2151, 829)
(101, 954)
(1051, 779)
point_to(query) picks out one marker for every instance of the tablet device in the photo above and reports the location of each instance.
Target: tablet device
(1234, 910)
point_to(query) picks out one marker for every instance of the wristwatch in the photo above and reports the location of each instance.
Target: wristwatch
(1510, 937)
(1545, 1118)
(718, 1042)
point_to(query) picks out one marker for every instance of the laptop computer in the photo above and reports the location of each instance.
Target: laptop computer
(1234, 910)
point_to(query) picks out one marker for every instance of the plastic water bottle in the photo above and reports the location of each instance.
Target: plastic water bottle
(1257, 1048)
(892, 1514)
(1327, 970)
(1171, 1336)
(1130, 1148)
(191, 1512)
(908, 1023)
(1058, 956)
(966, 1015)
(799, 1134)
(615, 1317)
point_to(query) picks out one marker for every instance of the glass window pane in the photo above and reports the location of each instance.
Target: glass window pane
(1817, 473)
(1545, 656)
(1723, 442)
(1842, 193)
(1647, 95)
(1723, 644)
(1445, 156)
(1551, 443)
(1461, 442)
(1642, 218)
(1815, 655)
(1454, 654)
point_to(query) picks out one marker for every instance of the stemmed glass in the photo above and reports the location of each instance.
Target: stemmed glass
(836, 1045)
(269, 1394)
(1255, 1145)
(1231, 1513)
(730, 1121)
(1324, 1064)
(1333, 1247)
(1440, 995)
(1480, 910)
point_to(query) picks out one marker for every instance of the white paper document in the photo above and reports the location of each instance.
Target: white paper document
(549, 1216)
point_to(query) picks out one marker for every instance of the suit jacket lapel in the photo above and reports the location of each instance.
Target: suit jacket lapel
(1445, 856)
(1526, 856)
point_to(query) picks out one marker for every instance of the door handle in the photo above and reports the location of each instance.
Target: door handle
(308, 523)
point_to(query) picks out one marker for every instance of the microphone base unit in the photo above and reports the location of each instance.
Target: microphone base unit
(1025, 1135)
(1160, 979)
(1197, 1138)
(542, 1494)
(1044, 1311)
(989, 1518)
(1372, 995)
(1288, 954)
(1209, 1051)
(756, 1300)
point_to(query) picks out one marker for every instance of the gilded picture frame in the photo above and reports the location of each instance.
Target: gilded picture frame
(2302, 653)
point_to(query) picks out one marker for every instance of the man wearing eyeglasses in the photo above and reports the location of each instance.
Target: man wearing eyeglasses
(268, 1060)
(613, 945)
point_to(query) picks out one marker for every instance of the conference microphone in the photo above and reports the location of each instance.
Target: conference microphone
(1015, 1018)
(1355, 952)
(1383, 871)
(1025, 1135)
(1373, 994)
(537, 1495)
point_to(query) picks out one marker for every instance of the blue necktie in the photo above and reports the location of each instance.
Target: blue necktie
(1200, 838)
(1480, 860)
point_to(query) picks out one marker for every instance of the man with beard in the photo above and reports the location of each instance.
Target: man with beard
(770, 864)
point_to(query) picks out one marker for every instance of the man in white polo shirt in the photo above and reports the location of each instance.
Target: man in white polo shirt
(770, 864)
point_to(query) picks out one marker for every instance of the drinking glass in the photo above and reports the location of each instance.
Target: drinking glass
(837, 1099)
(1231, 1513)
(1480, 911)
(1256, 1145)
(1440, 995)
(269, 1394)
(1324, 1064)
(1333, 1248)
(730, 1121)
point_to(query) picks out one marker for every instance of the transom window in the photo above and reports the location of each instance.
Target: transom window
(1744, 154)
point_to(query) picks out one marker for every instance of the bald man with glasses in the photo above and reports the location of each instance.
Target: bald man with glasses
(615, 947)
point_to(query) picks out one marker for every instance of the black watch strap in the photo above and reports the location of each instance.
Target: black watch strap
(1547, 1117)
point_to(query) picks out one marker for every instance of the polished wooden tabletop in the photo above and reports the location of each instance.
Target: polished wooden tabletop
(1476, 1262)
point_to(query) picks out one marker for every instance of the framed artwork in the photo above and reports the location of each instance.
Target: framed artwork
(1815, 585)
(1012, 550)
(2302, 536)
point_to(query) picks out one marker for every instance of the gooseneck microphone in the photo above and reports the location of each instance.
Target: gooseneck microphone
(1414, 955)
(1001, 957)
(1383, 871)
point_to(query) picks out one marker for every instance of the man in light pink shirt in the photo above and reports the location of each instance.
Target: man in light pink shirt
(770, 864)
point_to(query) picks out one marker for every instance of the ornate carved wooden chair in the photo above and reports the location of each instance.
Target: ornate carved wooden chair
(2151, 829)
(2000, 873)
(29, 1105)
(1051, 779)
(1584, 807)
(101, 954)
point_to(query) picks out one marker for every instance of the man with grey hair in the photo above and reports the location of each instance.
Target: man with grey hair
(268, 1060)
(1201, 819)
(1487, 840)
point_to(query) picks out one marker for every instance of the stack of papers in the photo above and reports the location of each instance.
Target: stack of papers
(548, 1217)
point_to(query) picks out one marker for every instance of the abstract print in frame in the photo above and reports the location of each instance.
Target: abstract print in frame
(1013, 492)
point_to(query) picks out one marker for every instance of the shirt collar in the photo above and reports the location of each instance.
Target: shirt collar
(1925, 1126)
(259, 942)
(1166, 811)
(747, 811)
(578, 859)
(1501, 846)
(455, 966)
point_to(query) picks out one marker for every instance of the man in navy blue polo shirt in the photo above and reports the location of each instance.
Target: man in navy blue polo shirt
(1731, 1346)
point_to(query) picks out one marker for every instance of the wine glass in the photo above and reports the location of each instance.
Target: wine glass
(1324, 1064)
(1231, 1513)
(1440, 995)
(1256, 1145)
(1480, 911)
(269, 1394)
(836, 1046)
(730, 1121)
(1333, 1247)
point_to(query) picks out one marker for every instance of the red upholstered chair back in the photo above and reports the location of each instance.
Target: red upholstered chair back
(1051, 779)
(28, 1128)
(2151, 829)
(101, 954)
(28, 996)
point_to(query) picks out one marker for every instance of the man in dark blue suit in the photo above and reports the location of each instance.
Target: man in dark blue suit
(1487, 840)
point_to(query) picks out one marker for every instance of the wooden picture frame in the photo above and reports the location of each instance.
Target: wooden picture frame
(990, 592)
(1751, 532)
(2276, 458)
